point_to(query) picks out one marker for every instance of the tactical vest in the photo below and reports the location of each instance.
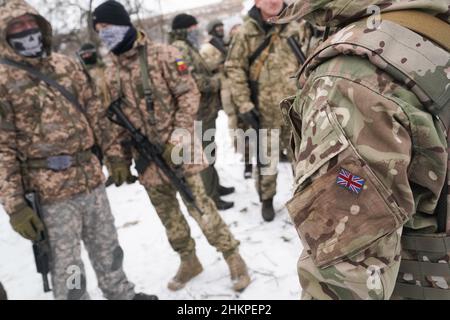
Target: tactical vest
(395, 49)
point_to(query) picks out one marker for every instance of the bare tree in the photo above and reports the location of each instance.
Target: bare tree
(72, 19)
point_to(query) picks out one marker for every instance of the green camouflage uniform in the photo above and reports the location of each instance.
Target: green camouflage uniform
(215, 59)
(208, 84)
(36, 123)
(274, 83)
(370, 158)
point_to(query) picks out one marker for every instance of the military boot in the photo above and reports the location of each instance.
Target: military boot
(238, 272)
(143, 296)
(268, 212)
(248, 171)
(3, 295)
(190, 267)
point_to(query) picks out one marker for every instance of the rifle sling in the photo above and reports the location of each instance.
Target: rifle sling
(45, 78)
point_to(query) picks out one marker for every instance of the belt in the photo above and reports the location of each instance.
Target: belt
(61, 162)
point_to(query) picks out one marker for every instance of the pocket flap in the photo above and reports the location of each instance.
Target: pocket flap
(320, 143)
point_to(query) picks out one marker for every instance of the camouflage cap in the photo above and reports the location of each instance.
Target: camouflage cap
(12, 9)
(337, 12)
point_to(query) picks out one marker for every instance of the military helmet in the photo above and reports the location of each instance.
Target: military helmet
(213, 24)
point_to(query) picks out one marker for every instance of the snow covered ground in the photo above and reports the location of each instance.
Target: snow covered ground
(270, 249)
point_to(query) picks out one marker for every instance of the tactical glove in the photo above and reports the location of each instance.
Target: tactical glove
(119, 172)
(27, 223)
(251, 118)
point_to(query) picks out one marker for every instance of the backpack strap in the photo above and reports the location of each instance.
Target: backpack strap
(425, 24)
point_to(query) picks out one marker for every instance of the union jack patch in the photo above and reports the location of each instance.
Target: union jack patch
(181, 66)
(349, 181)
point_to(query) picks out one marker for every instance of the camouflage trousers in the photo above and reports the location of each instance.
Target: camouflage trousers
(86, 217)
(210, 176)
(272, 144)
(164, 200)
(370, 275)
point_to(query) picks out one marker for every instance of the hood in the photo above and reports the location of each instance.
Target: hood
(335, 13)
(11, 9)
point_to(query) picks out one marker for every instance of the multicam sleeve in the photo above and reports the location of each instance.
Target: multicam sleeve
(11, 188)
(357, 157)
(183, 87)
(236, 69)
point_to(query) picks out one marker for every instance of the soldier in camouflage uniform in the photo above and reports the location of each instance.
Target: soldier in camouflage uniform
(273, 68)
(371, 152)
(3, 295)
(95, 72)
(45, 147)
(185, 37)
(214, 52)
(176, 102)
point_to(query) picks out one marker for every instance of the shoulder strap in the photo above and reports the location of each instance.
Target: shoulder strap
(148, 92)
(66, 94)
(259, 50)
(427, 25)
(218, 45)
(263, 46)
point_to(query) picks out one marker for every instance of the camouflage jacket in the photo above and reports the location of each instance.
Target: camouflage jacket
(213, 56)
(37, 122)
(367, 148)
(176, 100)
(98, 79)
(274, 80)
(207, 82)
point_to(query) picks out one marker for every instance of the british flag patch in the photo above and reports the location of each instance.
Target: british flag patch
(349, 181)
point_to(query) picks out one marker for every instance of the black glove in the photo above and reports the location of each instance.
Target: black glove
(251, 118)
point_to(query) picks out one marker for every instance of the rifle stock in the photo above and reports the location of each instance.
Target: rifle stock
(297, 50)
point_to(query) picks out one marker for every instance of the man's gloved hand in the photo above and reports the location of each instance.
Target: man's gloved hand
(119, 172)
(27, 223)
(251, 118)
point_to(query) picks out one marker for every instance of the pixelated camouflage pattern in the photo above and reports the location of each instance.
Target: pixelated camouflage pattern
(357, 111)
(217, 233)
(86, 218)
(208, 82)
(98, 78)
(176, 100)
(37, 122)
(274, 81)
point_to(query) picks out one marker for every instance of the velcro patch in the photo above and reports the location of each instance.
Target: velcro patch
(181, 66)
(349, 181)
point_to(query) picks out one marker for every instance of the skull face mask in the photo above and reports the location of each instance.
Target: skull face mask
(27, 43)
